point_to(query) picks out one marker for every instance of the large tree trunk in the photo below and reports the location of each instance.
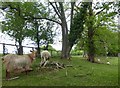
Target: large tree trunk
(69, 46)
(66, 47)
(64, 41)
(65, 44)
(61, 14)
(68, 51)
(91, 48)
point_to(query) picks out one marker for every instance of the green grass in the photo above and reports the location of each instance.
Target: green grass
(112, 60)
(83, 73)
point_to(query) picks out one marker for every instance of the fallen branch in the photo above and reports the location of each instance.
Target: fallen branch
(80, 75)
(12, 78)
(69, 65)
(54, 65)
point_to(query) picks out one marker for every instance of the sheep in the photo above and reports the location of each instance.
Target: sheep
(45, 56)
(18, 62)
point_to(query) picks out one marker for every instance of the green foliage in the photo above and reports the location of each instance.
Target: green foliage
(106, 34)
(14, 24)
(105, 31)
(76, 52)
(77, 24)
(106, 41)
(42, 31)
(49, 48)
(19, 22)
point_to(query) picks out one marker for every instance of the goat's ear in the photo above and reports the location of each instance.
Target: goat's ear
(31, 51)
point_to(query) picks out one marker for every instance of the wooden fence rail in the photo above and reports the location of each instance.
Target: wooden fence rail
(53, 52)
(4, 47)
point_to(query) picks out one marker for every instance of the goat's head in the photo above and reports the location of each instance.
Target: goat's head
(33, 53)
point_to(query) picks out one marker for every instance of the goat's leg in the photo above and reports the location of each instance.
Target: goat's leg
(7, 71)
(42, 63)
(7, 74)
(46, 62)
(25, 70)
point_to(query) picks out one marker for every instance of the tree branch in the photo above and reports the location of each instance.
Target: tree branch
(32, 17)
(99, 11)
(29, 16)
(104, 7)
(47, 19)
(13, 7)
(72, 9)
(55, 10)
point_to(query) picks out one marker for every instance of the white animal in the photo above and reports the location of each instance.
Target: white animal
(108, 63)
(98, 60)
(18, 62)
(45, 56)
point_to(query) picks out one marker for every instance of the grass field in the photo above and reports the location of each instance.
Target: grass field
(83, 73)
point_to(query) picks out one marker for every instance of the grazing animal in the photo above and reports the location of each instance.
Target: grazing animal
(45, 56)
(18, 62)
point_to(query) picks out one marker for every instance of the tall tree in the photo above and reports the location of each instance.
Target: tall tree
(42, 34)
(31, 26)
(94, 21)
(76, 25)
(91, 46)
(60, 10)
(92, 26)
(14, 24)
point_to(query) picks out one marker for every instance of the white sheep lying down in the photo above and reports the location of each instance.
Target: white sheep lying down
(45, 56)
(18, 62)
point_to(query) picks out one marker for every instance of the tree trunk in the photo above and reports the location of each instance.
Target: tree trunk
(66, 47)
(61, 14)
(68, 51)
(37, 37)
(20, 49)
(91, 48)
(64, 43)
(64, 53)
(38, 46)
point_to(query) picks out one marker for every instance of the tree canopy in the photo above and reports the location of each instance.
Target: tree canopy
(89, 24)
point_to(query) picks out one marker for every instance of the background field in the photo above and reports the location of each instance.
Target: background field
(83, 73)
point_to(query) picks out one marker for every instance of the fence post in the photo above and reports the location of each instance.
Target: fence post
(32, 48)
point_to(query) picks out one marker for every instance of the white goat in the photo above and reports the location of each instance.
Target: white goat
(45, 56)
(18, 62)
